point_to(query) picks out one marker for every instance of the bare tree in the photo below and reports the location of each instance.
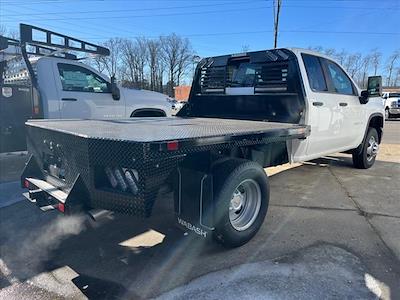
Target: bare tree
(352, 64)
(128, 56)
(365, 66)
(341, 57)
(134, 58)
(110, 64)
(245, 48)
(171, 52)
(186, 55)
(376, 57)
(141, 44)
(397, 77)
(4, 31)
(390, 66)
(153, 56)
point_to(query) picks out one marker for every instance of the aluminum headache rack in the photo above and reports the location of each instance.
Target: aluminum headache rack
(50, 40)
(36, 41)
(42, 42)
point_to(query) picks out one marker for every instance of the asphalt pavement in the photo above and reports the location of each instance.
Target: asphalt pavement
(331, 231)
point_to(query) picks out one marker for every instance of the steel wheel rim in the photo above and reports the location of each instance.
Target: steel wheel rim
(372, 149)
(245, 204)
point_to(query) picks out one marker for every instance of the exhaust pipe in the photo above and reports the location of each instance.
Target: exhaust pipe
(99, 214)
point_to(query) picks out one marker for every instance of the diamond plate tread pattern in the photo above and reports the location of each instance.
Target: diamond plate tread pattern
(158, 129)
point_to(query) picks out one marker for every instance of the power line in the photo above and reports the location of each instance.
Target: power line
(145, 16)
(130, 10)
(269, 31)
(193, 6)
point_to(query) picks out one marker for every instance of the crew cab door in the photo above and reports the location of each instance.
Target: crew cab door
(344, 93)
(324, 113)
(84, 94)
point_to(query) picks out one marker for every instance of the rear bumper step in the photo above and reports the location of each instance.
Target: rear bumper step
(46, 196)
(44, 186)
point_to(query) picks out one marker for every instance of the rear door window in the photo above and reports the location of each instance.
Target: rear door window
(315, 73)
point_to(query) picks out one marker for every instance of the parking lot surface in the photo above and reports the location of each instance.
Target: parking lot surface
(331, 231)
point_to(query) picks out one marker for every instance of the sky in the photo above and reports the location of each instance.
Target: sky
(219, 26)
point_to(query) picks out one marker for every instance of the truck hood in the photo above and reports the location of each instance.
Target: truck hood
(145, 99)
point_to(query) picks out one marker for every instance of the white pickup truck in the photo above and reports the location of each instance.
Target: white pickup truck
(392, 104)
(54, 84)
(245, 112)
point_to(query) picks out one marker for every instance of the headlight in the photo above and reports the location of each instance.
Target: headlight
(393, 104)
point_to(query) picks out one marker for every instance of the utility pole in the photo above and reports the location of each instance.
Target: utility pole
(277, 9)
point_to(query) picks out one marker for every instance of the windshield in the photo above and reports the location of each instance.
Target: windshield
(394, 95)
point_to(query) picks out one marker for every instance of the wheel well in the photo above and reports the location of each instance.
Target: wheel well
(148, 112)
(377, 123)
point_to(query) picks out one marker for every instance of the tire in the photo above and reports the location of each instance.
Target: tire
(364, 158)
(241, 192)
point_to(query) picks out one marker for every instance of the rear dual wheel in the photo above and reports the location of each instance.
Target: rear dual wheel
(241, 201)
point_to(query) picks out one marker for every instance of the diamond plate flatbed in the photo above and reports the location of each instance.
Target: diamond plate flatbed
(153, 130)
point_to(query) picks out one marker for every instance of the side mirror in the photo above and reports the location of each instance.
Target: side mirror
(364, 97)
(114, 89)
(374, 86)
(374, 89)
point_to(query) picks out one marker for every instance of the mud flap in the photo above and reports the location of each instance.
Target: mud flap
(194, 202)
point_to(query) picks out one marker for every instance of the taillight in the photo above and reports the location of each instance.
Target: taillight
(172, 145)
(36, 104)
(36, 110)
(61, 207)
(26, 183)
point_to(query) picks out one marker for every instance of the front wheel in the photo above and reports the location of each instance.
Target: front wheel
(241, 201)
(364, 158)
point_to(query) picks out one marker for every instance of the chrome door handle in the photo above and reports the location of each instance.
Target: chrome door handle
(318, 103)
(343, 104)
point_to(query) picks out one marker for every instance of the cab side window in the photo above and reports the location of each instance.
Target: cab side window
(78, 79)
(340, 81)
(315, 73)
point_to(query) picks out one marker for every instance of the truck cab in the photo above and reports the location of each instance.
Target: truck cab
(337, 110)
(391, 101)
(70, 89)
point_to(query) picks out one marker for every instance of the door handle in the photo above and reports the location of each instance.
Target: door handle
(343, 104)
(318, 103)
(69, 99)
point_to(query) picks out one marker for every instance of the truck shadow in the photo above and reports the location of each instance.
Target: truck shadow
(125, 257)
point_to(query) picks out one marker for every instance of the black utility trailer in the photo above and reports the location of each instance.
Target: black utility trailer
(212, 160)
